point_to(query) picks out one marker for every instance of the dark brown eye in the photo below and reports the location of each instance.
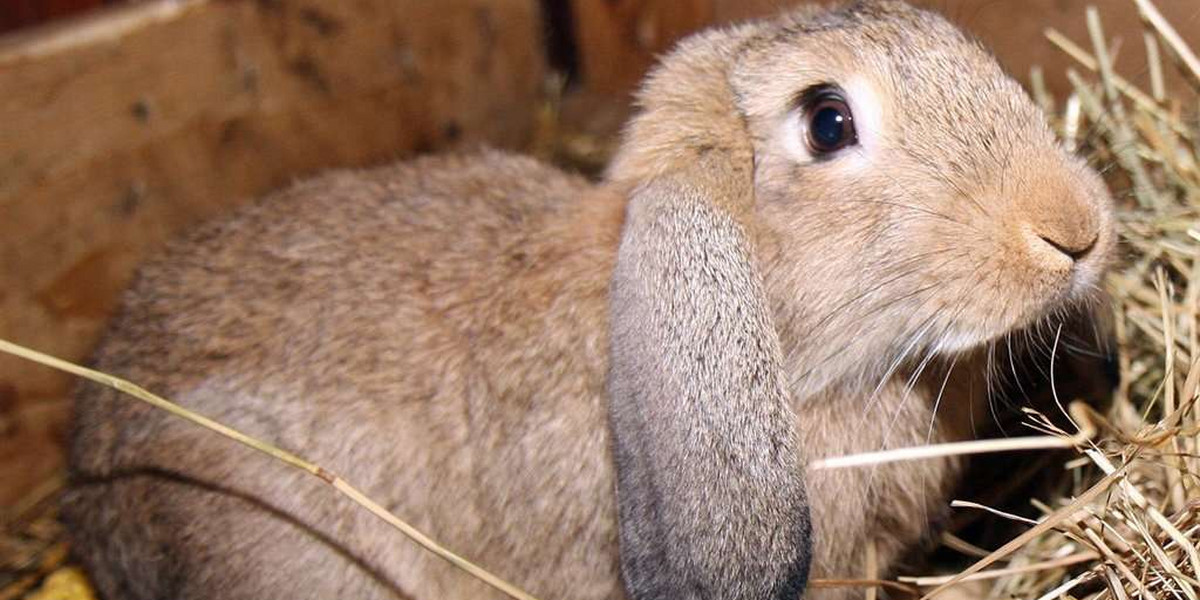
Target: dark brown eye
(830, 124)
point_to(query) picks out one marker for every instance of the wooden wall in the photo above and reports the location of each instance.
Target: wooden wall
(619, 38)
(118, 130)
(16, 14)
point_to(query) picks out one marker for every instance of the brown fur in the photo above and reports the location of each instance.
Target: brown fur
(438, 333)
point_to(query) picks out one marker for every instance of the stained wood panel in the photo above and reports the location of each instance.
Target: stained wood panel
(15, 14)
(619, 38)
(121, 129)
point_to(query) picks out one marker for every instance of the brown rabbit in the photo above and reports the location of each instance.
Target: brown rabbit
(805, 214)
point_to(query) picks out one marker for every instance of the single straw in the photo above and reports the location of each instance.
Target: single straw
(1037, 442)
(319, 472)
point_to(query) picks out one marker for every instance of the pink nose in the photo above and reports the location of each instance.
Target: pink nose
(1061, 225)
(1074, 246)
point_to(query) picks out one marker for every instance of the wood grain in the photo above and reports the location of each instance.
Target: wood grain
(618, 39)
(122, 128)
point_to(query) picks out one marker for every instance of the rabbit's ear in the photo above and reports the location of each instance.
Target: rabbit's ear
(709, 487)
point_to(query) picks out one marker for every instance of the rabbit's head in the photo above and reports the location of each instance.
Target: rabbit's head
(904, 195)
(813, 199)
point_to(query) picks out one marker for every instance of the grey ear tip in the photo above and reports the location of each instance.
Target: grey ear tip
(795, 580)
(648, 575)
(794, 586)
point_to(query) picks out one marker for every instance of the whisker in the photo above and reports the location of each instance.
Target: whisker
(1053, 388)
(894, 418)
(891, 370)
(909, 387)
(919, 209)
(937, 403)
(1012, 363)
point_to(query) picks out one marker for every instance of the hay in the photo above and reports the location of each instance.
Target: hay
(32, 541)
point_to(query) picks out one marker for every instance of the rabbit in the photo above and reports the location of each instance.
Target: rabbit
(600, 390)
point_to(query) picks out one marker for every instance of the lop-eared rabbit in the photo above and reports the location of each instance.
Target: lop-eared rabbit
(598, 391)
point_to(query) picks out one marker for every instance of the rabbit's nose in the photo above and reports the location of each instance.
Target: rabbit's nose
(1060, 219)
(1074, 248)
(1062, 239)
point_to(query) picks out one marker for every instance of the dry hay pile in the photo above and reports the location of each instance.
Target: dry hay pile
(1129, 526)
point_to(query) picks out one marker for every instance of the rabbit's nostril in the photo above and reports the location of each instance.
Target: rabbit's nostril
(1075, 251)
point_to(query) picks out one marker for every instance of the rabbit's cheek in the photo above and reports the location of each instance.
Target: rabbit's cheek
(960, 341)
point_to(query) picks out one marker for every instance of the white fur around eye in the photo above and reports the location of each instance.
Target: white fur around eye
(868, 122)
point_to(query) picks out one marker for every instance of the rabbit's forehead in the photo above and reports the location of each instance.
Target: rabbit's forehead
(960, 106)
(942, 68)
(940, 94)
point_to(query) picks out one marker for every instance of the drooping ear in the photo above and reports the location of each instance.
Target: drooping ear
(709, 480)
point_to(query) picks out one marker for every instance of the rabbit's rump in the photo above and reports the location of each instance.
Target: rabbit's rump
(435, 333)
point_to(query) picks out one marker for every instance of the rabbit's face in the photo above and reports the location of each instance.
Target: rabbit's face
(911, 198)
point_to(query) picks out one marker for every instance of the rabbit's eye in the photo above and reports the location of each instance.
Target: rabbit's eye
(830, 124)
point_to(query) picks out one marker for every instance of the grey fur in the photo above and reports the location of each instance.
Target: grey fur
(708, 464)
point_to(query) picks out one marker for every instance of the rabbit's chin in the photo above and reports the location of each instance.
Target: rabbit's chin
(964, 341)
(1070, 302)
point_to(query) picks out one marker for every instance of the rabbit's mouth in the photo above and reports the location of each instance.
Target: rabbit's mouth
(1035, 272)
(1078, 294)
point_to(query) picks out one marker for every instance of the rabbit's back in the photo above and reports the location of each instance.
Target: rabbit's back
(381, 323)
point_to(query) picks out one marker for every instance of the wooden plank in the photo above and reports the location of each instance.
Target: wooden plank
(117, 131)
(617, 39)
(24, 13)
